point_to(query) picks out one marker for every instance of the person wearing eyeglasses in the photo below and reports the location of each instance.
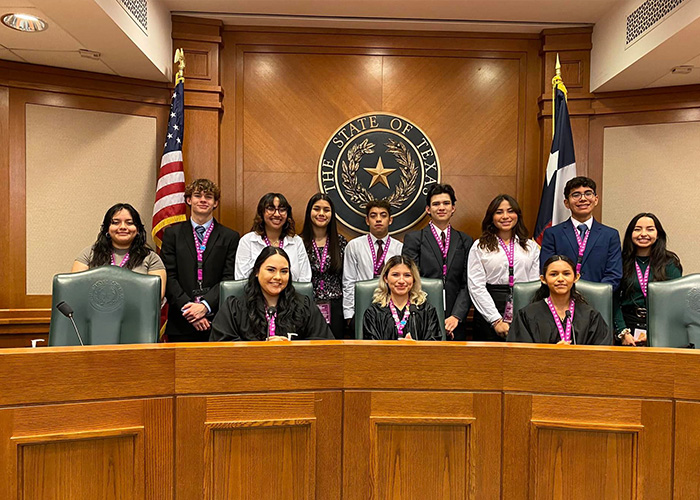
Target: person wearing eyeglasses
(273, 226)
(592, 246)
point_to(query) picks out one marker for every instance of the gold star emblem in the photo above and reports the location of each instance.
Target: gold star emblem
(379, 173)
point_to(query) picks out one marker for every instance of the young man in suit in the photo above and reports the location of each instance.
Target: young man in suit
(198, 254)
(441, 252)
(594, 247)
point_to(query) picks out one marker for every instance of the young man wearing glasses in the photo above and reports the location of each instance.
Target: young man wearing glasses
(594, 247)
(198, 254)
(273, 226)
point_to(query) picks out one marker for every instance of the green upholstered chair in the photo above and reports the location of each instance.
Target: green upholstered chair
(111, 305)
(235, 288)
(364, 290)
(598, 296)
(674, 312)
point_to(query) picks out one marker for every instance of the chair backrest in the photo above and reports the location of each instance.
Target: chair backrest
(364, 290)
(674, 312)
(236, 288)
(598, 296)
(111, 305)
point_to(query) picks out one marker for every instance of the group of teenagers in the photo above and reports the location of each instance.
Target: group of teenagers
(198, 254)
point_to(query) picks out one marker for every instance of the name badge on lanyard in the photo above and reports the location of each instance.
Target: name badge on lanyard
(200, 247)
(510, 255)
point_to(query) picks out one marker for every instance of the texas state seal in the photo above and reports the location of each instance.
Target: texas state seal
(378, 156)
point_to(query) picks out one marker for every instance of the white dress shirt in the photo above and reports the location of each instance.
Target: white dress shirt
(577, 223)
(359, 266)
(492, 268)
(252, 244)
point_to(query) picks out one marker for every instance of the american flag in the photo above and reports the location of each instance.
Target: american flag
(170, 207)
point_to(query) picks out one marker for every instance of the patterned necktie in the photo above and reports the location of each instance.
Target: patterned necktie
(442, 237)
(582, 228)
(200, 232)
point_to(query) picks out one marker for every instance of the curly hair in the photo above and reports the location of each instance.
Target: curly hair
(288, 229)
(102, 249)
(382, 294)
(203, 186)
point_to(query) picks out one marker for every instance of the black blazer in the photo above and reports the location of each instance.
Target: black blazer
(378, 323)
(180, 259)
(424, 250)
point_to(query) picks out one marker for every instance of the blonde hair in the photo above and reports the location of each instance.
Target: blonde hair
(382, 294)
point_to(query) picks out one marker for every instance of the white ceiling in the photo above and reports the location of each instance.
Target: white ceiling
(91, 24)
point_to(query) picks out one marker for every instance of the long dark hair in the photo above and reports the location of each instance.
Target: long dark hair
(102, 250)
(659, 257)
(487, 240)
(289, 314)
(307, 233)
(268, 200)
(543, 291)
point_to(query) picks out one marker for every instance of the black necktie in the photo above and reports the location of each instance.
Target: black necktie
(442, 237)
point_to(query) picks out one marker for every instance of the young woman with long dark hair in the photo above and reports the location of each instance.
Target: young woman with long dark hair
(645, 258)
(273, 226)
(503, 255)
(271, 309)
(325, 249)
(122, 242)
(558, 314)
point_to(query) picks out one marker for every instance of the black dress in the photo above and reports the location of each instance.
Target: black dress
(535, 323)
(232, 323)
(378, 323)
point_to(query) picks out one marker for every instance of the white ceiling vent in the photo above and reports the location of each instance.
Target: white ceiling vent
(138, 10)
(646, 16)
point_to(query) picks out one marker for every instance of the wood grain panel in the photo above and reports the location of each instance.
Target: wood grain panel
(580, 447)
(114, 449)
(686, 450)
(260, 445)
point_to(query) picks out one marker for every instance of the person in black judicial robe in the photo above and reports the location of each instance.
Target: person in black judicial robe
(422, 247)
(535, 323)
(180, 258)
(378, 323)
(270, 300)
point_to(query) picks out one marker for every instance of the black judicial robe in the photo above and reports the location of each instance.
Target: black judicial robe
(378, 323)
(232, 323)
(535, 323)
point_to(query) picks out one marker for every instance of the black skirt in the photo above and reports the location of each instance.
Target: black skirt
(483, 332)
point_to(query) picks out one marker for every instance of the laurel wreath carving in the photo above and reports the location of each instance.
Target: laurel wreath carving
(359, 194)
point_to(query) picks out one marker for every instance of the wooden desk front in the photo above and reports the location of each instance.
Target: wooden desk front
(349, 419)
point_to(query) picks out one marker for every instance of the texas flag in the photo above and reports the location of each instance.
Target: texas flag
(561, 167)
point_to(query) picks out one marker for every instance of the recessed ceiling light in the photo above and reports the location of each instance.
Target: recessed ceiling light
(24, 22)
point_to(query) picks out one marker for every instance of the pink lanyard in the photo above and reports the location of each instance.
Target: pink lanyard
(267, 242)
(643, 280)
(443, 249)
(200, 247)
(322, 258)
(378, 265)
(400, 323)
(510, 255)
(581, 248)
(565, 335)
(113, 262)
(271, 323)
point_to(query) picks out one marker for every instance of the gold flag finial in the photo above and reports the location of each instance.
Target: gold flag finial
(557, 83)
(557, 67)
(180, 60)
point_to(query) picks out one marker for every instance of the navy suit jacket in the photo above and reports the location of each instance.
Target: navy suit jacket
(602, 260)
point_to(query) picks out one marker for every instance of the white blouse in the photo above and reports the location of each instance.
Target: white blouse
(492, 268)
(252, 244)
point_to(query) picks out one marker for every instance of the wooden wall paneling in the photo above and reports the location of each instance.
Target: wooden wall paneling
(686, 450)
(5, 193)
(28, 314)
(421, 445)
(587, 447)
(261, 445)
(88, 450)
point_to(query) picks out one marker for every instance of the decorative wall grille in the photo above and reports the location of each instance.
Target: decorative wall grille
(646, 16)
(138, 9)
